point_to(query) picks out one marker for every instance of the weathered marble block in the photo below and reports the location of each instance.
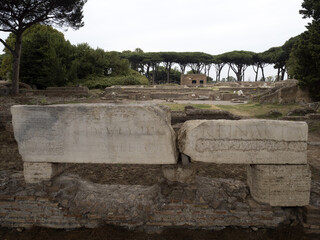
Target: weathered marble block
(244, 141)
(37, 172)
(280, 185)
(95, 133)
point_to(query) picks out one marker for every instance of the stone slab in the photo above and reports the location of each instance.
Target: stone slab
(280, 185)
(37, 172)
(244, 141)
(95, 133)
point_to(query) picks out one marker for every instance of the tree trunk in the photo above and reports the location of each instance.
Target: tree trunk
(16, 64)
(208, 70)
(153, 74)
(218, 68)
(237, 69)
(168, 72)
(283, 72)
(229, 72)
(239, 76)
(262, 70)
(183, 68)
(219, 75)
(156, 70)
(256, 71)
(148, 71)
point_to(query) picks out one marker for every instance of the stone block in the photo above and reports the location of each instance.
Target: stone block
(37, 172)
(179, 173)
(245, 141)
(280, 185)
(95, 133)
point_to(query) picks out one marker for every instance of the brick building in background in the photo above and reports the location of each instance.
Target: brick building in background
(193, 79)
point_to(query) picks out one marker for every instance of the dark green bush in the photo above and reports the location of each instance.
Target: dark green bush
(94, 82)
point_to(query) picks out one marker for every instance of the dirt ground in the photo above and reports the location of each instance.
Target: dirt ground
(149, 175)
(115, 233)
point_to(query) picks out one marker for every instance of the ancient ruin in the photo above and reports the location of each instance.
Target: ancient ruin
(192, 194)
(96, 133)
(193, 79)
(280, 185)
(142, 134)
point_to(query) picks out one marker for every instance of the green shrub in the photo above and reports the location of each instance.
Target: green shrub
(94, 82)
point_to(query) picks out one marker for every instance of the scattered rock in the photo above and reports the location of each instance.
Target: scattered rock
(254, 229)
(274, 113)
(179, 173)
(222, 193)
(301, 111)
(19, 229)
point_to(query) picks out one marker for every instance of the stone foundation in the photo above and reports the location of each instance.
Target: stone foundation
(37, 172)
(280, 185)
(69, 202)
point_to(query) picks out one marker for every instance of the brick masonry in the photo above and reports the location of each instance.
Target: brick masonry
(69, 202)
(193, 79)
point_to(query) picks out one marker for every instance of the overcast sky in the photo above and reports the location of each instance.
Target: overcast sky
(211, 26)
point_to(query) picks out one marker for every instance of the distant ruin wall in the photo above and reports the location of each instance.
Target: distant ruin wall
(285, 95)
(57, 92)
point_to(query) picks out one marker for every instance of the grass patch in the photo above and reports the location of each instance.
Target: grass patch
(215, 88)
(314, 126)
(96, 91)
(180, 107)
(314, 129)
(254, 109)
(251, 109)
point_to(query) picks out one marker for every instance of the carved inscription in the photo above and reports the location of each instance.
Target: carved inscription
(45, 147)
(257, 130)
(116, 130)
(245, 141)
(211, 145)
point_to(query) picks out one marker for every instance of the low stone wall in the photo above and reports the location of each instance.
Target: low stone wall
(69, 202)
(181, 93)
(246, 90)
(280, 175)
(191, 113)
(57, 92)
(228, 96)
(285, 95)
(4, 91)
(157, 92)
